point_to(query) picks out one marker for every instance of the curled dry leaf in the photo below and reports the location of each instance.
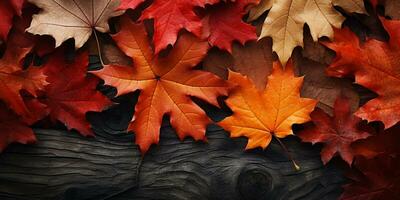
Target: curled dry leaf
(166, 84)
(259, 115)
(286, 19)
(374, 65)
(337, 132)
(73, 18)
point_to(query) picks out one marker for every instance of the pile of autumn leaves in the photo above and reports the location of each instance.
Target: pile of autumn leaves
(60, 89)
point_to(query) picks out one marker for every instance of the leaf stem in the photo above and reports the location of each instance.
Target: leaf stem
(297, 167)
(98, 47)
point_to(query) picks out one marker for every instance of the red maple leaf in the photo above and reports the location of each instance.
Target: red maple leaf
(172, 16)
(8, 9)
(375, 65)
(337, 132)
(379, 179)
(224, 24)
(14, 79)
(72, 93)
(129, 4)
(13, 129)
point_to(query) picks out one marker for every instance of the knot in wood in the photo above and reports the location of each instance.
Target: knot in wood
(254, 184)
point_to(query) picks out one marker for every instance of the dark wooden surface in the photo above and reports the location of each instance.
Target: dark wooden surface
(63, 165)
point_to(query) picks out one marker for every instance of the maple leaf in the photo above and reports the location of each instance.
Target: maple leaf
(317, 85)
(259, 115)
(225, 25)
(172, 16)
(71, 93)
(166, 84)
(14, 79)
(286, 19)
(8, 9)
(13, 129)
(337, 132)
(379, 179)
(73, 19)
(374, 65)
(254, 60)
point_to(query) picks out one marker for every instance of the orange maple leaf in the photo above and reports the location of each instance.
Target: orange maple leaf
(166, 84)
(260, 115)
(375, 65)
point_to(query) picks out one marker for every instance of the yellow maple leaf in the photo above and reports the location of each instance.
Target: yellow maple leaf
(286, 19)
(259, 115)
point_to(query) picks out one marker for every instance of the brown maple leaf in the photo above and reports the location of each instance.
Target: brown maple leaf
(319, 86)
(254, 59)
(166, 84)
